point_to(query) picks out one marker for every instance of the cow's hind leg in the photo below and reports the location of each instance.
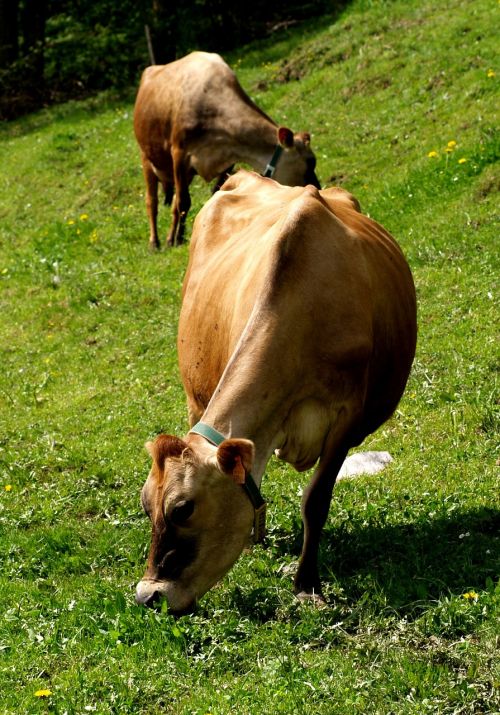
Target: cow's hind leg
(151, 180)
(315, 505)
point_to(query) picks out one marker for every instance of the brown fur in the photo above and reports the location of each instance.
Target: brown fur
(297, 333)
(192, 117)
(165, 446)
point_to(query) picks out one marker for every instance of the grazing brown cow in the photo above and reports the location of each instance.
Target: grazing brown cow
(192, 117)
(296, 336)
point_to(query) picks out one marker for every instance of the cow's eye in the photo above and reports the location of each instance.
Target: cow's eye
(182, 511)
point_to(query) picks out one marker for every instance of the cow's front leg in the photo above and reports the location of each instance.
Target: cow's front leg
(315, 506)
(168, 189)
(222, 178)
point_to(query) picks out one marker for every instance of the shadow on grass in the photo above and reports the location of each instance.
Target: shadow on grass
(71, 111)
(416, 560)
(405, 567)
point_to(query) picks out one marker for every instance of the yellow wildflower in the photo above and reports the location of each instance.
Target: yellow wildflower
(43, 693)
(491, 73)
(83, 217)
(432, 154)
(462, 160)
(8, 487)
(451, 144)
(471, 596)
(5, 271)
(71, 222)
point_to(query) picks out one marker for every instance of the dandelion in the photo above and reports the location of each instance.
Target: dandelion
(83, 217)
(43, 693)
(462, 160)
(5, 271)
(71, 221)
(432, 154)
(490, 73)
(451, 144)
(471, 596)
(8, 487)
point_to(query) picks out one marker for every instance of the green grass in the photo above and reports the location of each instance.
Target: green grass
(410, 558)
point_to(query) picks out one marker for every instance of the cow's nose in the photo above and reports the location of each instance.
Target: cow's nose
(150, 600)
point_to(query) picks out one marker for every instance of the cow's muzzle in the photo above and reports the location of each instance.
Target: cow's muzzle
(148, 599)
(150, 593)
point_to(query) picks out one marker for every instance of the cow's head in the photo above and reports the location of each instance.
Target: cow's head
(297, 164)
(201, 518)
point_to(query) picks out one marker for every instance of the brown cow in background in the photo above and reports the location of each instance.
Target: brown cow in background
(296, 337)
(192, 117)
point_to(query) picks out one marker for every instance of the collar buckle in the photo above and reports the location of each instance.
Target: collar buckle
(273, 163)
(259, 523)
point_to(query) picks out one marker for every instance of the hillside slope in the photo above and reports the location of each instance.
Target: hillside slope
(401, 99)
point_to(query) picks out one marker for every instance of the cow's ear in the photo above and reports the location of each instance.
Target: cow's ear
(285, 137)
(235, 458)
(165, 445)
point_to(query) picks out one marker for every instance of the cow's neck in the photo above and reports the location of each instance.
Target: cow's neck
(232, 422)
(252, 394)
(260, 139)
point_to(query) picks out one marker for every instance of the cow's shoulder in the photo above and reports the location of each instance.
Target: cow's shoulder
(336, 196)
(259, 210)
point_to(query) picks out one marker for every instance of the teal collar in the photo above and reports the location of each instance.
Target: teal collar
(271, 167)
(259, 504)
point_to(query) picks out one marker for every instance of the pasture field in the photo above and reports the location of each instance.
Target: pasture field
(401, 98)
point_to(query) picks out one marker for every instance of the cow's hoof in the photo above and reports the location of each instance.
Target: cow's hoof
(154, 247)
(315, 599)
